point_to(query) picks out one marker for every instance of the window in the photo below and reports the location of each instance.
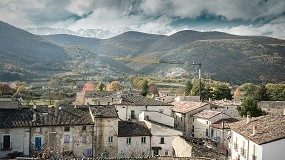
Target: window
(162, 140)
(193, 129)
(105, 155)
(6, 144)
(133, 114)
(83, 128)
(166, 153)
(121, 155)
(129, 140)
(88, 152)
(206, 122)
(66, 129)
(66, 138)
(181, 119)
(143, 140)
(207, 134)
(110, 139)
(84, 139)
(193, 119)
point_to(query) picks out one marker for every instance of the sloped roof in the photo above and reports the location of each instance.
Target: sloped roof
(104, 111)
(141, 101)
(186, 106)
(11, 118)
(44, 116)
(207, 114)
(223, 103)
(227, 123)
(67, 115)
(132, 129)
(269, 128)
(99, 94)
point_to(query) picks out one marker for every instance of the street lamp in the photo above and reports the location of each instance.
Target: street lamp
(200, 65)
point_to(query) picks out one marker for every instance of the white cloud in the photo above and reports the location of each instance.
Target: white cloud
(276, 28)
(151, 16)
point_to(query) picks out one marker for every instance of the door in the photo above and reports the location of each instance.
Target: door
(38, 143)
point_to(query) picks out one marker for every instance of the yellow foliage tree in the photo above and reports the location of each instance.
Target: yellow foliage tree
(114, 86)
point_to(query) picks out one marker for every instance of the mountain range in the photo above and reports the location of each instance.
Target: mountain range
(223, 57)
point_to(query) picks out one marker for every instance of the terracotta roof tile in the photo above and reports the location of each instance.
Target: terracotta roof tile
(269, 128)
(187, 106)
(207, 114)
(104, 111)
(141, 101)
(128, 129)
(227, 123)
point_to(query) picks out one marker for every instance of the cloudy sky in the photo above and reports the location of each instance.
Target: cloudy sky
(242, 17)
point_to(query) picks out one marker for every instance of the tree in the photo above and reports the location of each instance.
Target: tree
(153, 89)
(205, 90)
(249, 106)
(4, 88)
(144, 89)
(101, 87)
(188, 88)
(261, 93)
(237, 95)
(222, 92)
(114, 86)
(276, 91)
(249, 89)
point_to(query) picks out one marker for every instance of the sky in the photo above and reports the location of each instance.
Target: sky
(240, 17)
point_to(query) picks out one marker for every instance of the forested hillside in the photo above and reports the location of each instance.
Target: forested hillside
(224, 57)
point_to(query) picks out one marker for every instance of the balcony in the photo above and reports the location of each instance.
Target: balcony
(243, 152)
(236, 146)
(6, 146)
(254, 157)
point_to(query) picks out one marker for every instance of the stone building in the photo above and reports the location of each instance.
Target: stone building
(106, 119)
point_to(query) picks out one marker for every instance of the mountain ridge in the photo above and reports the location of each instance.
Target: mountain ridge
(230, 58)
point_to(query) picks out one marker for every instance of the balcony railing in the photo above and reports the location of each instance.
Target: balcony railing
(243, 152)
(6, 147)
(254, 157)
(236, 146)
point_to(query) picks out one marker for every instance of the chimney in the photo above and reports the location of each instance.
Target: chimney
(254, 127)
(248, 117)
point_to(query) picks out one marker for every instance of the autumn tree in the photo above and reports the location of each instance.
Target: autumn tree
(4, 88)
(237, 95)
(153, 89)
(101, 87)
(114, 86)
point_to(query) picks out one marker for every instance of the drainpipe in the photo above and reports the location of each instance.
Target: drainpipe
(247, 150)
(92, 140)
(30, 138)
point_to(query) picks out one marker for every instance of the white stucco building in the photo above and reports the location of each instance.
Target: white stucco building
(202, 121)
(260, 138)
(130, 107)
(183, 112)
(227, 107)
(134, 139)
